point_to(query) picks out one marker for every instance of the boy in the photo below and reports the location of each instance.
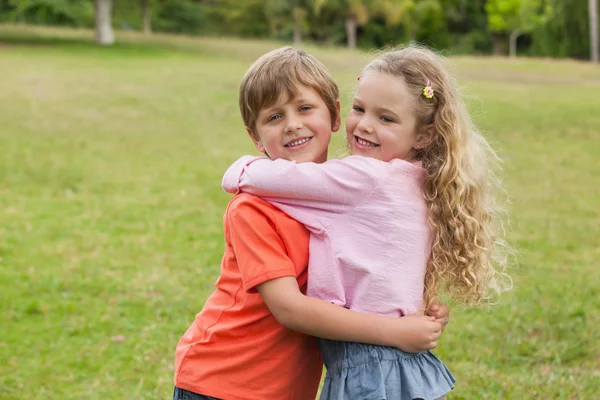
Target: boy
(246, 342)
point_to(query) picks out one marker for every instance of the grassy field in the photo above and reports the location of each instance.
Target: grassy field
(111, 208)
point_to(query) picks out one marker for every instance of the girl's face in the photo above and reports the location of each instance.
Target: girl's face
(382, 123)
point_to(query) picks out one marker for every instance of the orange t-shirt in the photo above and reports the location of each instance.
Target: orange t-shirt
(236, 349)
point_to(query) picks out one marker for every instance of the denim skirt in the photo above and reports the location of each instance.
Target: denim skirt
(368, 372)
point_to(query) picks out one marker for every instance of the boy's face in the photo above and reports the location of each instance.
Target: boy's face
(297, 129)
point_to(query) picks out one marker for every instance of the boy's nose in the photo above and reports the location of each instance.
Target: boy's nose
(293, 126)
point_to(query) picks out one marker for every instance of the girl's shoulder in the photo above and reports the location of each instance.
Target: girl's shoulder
(366, 165)
(415, 167)
(373, 166)
(366, 162)
(394, 163)
(410, 167)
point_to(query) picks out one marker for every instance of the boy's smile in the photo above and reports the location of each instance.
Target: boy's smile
(299, 142)
(297, 128)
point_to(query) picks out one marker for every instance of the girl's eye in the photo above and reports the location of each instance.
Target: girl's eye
(386, 119)
(358, 109)
(305, 108)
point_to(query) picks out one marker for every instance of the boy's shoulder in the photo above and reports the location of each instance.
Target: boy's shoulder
(253, 211)
(253, 219)
(246, 203)
(249, 208)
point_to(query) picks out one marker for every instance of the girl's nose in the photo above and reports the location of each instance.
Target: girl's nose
(365, 126)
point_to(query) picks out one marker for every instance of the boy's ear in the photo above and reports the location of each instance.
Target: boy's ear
(335, 125)
(257, 143)
(425, 137)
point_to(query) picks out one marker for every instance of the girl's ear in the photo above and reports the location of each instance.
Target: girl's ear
(335, 125)
(425, 137)
(257, 143)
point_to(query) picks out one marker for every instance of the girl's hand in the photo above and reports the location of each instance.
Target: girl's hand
(441, 312)
(417, 333)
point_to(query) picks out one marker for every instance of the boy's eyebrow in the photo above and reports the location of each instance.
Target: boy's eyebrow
(302, 100)
(273, 107)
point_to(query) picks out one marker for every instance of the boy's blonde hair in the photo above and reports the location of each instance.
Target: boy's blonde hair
(279, 73)
(462, 182)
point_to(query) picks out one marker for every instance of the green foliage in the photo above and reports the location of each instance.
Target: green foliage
(474, 42)
(242, 18)
(181, 17)
(510, 15)
(503, 15)
(565, 33)
(285, 15)
(75, 13)
(431, 24)
(557, 28)
(466, 23)
(328, 27)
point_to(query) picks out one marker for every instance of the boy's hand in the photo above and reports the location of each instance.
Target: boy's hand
(441, 312)
(417, 333)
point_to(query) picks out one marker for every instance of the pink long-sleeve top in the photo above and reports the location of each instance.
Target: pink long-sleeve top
(370, 239)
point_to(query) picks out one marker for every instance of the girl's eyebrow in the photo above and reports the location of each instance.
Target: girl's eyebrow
(378, 110)
(383, 110)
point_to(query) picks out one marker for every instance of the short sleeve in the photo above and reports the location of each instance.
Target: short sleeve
(259, 250)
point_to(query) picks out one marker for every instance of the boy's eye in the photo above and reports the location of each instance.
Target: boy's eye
(386, 119)
(358, 109)
(305, 108)
(274, 117)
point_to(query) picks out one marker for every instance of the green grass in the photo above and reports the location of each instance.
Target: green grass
(111, 207)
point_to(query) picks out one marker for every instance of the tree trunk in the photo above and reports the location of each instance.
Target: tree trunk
(297, 35)
(593, 15)
(104, 32)
(351, 31)
(412, 35)
(146, 17)
(514, 35)
(499, 45)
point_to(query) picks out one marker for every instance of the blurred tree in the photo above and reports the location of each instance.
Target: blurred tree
(410, 13)
(566, 33)
(282, 14)
(104, 31)
(393, 21)
(556, 28)
(327, 26)
(516, 17)
(49, 12)
(593, 16)
(238, 17)
(177, 16)
(146, 19)
(356, 13)
(381, 19)
(466, 22)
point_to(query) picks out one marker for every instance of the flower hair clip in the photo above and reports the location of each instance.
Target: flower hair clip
(428, 90)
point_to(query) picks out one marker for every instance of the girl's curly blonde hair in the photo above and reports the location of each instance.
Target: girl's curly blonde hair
(462, 184)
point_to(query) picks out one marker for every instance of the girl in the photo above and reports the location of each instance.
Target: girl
(412, 207)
